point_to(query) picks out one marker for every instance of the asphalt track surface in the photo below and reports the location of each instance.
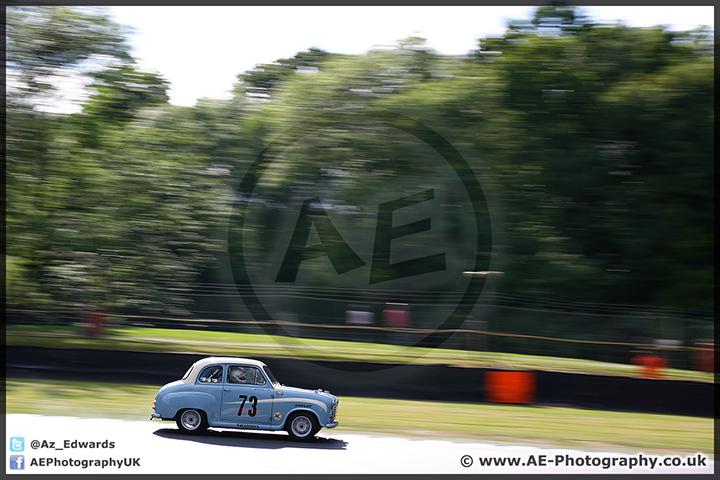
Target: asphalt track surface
(157, 447)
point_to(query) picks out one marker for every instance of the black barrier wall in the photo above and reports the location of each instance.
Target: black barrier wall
(416, 382)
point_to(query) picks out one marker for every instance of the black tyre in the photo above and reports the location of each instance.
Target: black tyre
(302, 426)
(191, 421)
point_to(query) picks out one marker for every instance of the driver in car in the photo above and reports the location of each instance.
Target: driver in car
(237, 375)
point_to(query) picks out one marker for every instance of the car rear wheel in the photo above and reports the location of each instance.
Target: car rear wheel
(302, 426)
(192, 421)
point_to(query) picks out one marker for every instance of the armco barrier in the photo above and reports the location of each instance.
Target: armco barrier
(610, 392)
(421, 382)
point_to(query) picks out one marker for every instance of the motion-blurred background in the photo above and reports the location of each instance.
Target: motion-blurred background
(592, 143)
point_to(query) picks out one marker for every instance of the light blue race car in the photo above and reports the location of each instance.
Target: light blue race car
(240, 393)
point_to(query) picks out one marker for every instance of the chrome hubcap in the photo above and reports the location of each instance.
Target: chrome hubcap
(190, 419)
(301, 426)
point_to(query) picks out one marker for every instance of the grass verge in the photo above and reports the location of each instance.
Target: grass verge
(249, 345)
(528, 425)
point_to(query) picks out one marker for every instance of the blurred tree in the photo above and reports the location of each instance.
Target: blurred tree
(122, 90)
(47, 42)
(119, 93)
(660, 137)
(576, 197)
(559, 18)
(570, 200)
(262, 79)
(596, 141)
(44, 44)
(112, 206)
(155, 206)
(334, 139)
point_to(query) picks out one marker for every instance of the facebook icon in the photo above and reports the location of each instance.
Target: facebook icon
(17, 462)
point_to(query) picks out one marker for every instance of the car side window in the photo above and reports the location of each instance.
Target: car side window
(245, 375)
(258, 377)
(236, 375)
(211, 374)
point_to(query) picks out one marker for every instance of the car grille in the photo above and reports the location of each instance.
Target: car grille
(333, 412)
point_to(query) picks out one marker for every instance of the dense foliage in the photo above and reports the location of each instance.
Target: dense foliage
(593, 145)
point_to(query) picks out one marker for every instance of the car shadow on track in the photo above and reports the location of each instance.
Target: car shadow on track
(231, 438)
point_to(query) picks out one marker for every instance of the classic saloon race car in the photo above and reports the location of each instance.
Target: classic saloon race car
(229, 392)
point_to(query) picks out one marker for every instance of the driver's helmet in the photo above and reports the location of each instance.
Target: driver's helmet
(238, 375)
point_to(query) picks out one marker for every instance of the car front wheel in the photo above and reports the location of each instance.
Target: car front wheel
(192, 421)
(302, 426)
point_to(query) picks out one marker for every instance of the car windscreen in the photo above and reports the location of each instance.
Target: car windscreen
(271, 376)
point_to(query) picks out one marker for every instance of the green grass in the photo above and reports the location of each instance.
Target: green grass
(244, 344)
(527, 425)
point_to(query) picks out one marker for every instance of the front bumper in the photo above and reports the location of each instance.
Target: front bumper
(332, 425)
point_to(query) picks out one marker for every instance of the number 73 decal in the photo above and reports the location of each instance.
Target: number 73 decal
(251, 411)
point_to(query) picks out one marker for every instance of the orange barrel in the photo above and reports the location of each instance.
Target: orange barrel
(510, 387)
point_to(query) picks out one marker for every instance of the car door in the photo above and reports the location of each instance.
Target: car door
(247, 398)
(207, 391)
